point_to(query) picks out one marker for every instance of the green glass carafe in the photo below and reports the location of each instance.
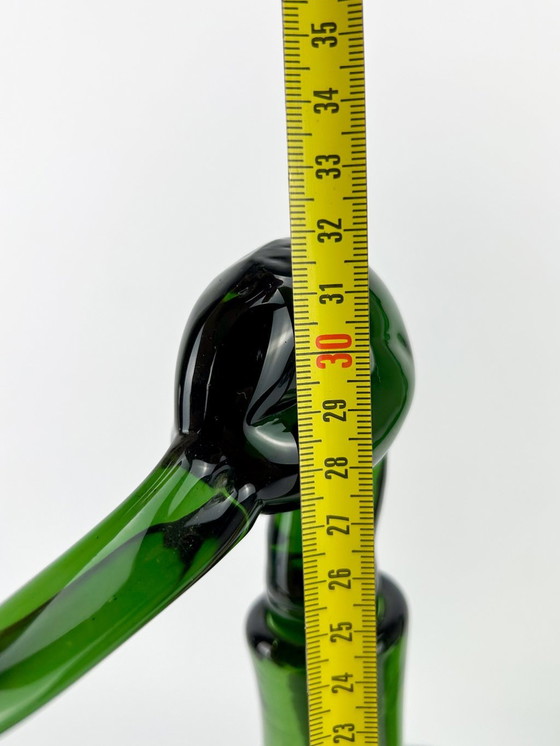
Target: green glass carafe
(234, 455)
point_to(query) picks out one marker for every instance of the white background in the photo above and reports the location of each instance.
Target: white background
(142, 150)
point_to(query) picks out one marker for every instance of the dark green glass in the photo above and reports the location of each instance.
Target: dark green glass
(276, 634)
(234, 456)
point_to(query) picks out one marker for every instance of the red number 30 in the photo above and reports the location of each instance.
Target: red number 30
(333, 342)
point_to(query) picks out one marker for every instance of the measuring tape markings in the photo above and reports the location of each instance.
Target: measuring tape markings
(325, 104)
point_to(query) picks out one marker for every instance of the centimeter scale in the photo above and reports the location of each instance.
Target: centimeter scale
(325, 102)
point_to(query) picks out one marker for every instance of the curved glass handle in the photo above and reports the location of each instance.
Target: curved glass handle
(181, 520)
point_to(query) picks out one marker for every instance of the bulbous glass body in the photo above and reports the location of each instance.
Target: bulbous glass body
(234, 455)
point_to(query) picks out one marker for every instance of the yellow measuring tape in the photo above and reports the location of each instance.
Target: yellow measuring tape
(325, 102)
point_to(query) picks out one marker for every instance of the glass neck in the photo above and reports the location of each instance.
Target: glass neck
(285, 561)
